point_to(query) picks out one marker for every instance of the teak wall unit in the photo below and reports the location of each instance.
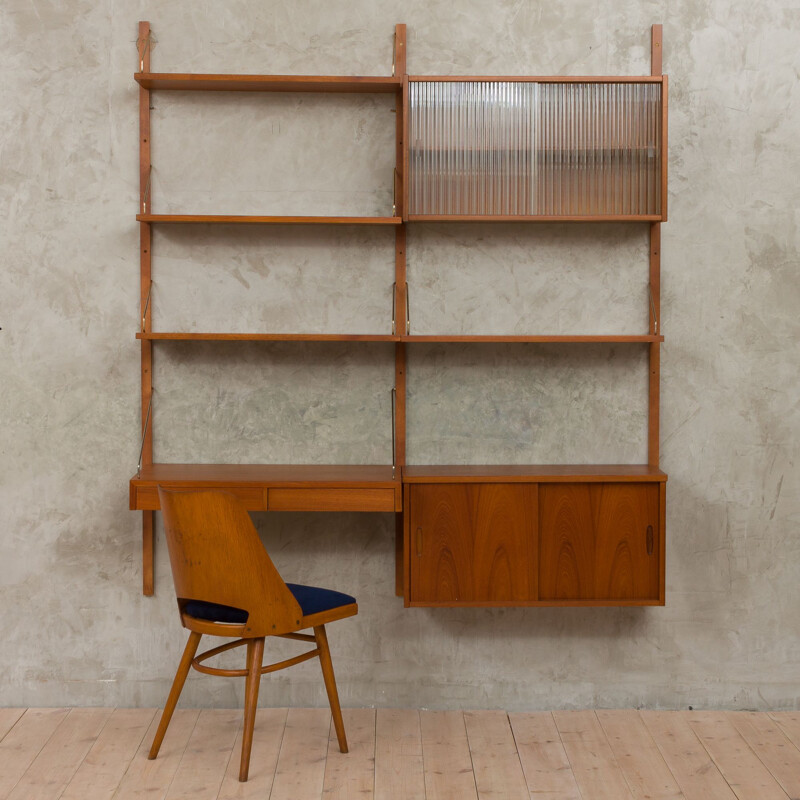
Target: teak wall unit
(483, 148)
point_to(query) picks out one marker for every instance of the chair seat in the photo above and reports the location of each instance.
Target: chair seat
(312, 600)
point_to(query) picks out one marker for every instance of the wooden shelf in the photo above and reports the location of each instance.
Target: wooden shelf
(544, 338)
(277, 487)
(541, 78)
(536, 218)
(181, 81)
(178, 336)
(247, 219)
(267, 337)
(534, 473)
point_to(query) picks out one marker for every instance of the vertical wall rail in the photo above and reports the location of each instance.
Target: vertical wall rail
(654, 313)
(401, 289)
(145, 260)
(655, 327)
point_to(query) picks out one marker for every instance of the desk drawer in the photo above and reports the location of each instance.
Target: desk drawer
(331, 500)
(145, 498)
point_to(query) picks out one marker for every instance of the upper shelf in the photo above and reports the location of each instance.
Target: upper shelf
(266, 83)
(535, 218)
(250, 219)
(179, 336)
(536, 78)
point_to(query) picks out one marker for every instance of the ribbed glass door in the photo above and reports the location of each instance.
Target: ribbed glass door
(525, 148)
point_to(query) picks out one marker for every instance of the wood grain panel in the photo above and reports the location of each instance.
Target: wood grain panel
(533, 473)
(331, 499)
(254, 499)
(181, 81)
(599, 541)
(473, 542)
(566, 542)
(257, 219)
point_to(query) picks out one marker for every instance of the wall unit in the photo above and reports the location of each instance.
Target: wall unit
(485, 148)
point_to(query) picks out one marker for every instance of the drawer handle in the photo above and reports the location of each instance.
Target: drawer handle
(649, 540)
(419, 541)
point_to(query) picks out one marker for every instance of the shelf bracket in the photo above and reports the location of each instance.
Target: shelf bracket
(146, 192)
(653, 309)
(394, 308)
(144, 434)
(146, 305)
(144, 46)
(408, 309)
(394, 430)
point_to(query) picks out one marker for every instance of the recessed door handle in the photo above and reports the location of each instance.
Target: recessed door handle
(419, 541)
(650, 539)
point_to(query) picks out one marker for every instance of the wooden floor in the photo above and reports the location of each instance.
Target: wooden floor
(89, 753)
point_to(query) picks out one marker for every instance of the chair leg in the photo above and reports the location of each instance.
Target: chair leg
(255, 657)
(175, 691)
(330, 684)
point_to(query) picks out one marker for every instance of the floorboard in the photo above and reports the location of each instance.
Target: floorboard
(398, 755)
(596, 771)
(150, 780)
(300, 771)
(352, 774)
(267, 738)
(24, 742)
(739, 765)
(101, 771)
(646, 773)
(767, 740)
(495, 761)
(544, 761)
(445, 756)
(687, 759)
(62, 755)
(401, 754)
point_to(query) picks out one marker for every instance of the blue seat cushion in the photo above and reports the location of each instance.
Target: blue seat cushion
(312, 600)
(214, 612)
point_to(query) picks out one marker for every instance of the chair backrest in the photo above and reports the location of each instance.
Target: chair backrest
(217, 557)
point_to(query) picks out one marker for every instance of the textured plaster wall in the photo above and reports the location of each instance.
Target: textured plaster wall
(75, 627)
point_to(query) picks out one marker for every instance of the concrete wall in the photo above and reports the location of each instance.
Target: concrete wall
(75, 627)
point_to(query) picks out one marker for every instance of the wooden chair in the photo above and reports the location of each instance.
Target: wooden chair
(227, 585)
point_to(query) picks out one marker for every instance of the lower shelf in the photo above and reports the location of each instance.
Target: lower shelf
(276, 487)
